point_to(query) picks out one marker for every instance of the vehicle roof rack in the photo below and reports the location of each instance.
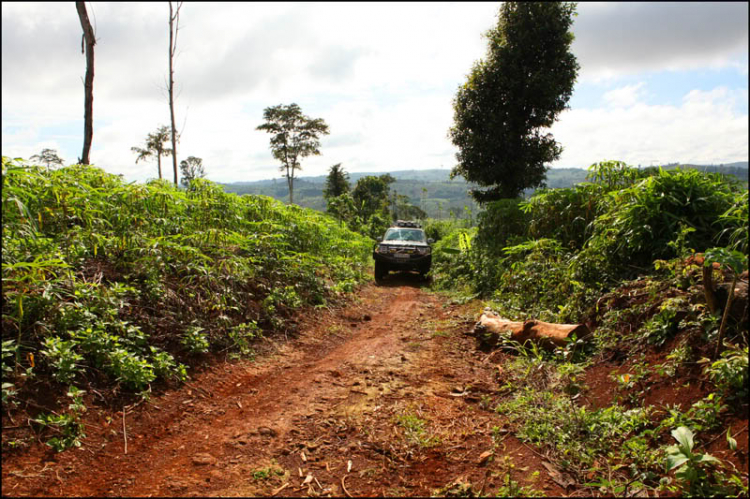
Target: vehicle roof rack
(408, 223)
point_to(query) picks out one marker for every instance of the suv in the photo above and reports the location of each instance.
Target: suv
(403, 247)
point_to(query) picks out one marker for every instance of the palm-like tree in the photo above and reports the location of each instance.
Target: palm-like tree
(155, 146)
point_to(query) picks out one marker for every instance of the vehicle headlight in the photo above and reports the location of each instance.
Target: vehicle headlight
(424, 251)
(381, 249)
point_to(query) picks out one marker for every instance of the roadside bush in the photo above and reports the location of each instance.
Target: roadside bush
(637, 223)
(453, 265)
(562, 214)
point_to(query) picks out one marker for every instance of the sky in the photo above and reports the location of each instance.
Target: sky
(659, 82)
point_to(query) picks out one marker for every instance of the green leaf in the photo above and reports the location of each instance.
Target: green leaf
(706, 458)
(731, 441)
(724, 256)
(675, 458)
(685, 437)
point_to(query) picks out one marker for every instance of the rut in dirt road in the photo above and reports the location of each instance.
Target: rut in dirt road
(368, 400)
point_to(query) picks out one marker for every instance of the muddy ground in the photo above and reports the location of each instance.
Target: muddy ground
(387, 396)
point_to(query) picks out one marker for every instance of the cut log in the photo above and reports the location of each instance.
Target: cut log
(490, 329)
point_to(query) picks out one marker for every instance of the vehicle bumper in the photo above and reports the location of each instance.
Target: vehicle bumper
(414, 262)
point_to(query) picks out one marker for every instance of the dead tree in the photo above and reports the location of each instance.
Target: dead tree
(89, 41)
(174, 27)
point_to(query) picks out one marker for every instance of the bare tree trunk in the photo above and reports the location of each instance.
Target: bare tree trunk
(174, 27)
(290, 183)
(88, 115)
(158, 163)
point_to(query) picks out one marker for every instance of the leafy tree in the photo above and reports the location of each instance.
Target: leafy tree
(295, 136)
(49, 157)
(342, 208)
(337, 182)
(509, 98)
(404, 210)
(155, 146)
(88, 105)
(191, 168)
(372, 195)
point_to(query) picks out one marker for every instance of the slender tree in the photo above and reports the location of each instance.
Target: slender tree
(295, 136)
(512, 96)
(88, 41)
(155, 146)
(49, 157)
(174, 28)
(337, 182)
(191, 168)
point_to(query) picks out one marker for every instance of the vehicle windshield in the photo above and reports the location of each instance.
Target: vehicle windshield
(405, 235)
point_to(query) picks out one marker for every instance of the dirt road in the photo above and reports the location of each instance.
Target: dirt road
(385, 397)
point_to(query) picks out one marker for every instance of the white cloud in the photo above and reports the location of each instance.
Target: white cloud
(625, 96)
(704, 128)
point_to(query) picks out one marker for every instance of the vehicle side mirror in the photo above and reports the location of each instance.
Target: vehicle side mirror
(430, 241)
(380, 239)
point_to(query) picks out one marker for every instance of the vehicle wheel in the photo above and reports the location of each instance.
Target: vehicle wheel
(423, 272)
(380, 271)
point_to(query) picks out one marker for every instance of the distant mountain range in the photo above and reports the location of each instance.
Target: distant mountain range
(433, 190)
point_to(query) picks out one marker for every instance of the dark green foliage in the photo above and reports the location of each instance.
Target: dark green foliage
(404, 210)
(371, 197)
(735, 223)
(501, 224)
(562, 214)
(501, 112)
(337, 182)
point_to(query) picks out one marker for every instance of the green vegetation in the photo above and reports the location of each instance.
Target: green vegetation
(624, 252)
(119, 286)
(415, 430)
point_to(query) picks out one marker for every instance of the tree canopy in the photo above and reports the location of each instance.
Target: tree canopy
(337, 182)
(295, 136)
(49, 157)
(511, 96)
(191, 168)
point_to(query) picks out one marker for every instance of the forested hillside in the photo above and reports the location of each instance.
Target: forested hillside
(433, 190)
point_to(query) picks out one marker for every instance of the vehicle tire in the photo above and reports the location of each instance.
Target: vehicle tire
(423, 272)
(380, 271)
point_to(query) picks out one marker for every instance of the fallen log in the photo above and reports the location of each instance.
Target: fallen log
(490, 329)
